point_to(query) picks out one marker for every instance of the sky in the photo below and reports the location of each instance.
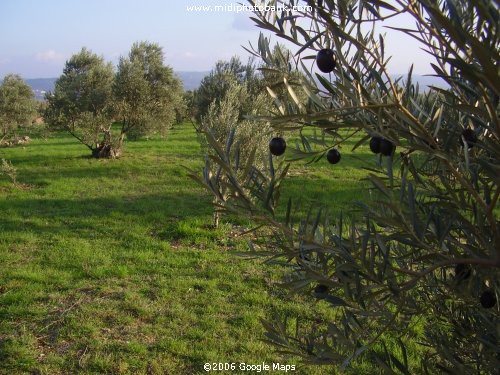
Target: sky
(38, 36)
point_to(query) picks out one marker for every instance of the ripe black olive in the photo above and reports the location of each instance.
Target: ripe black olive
(488, 299)
(375, 144)
(277, 146)
(470, 137)
(387, 147)
(333, 156)
(325, 60)
(321, 289)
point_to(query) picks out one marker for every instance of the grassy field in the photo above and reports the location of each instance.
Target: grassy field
(111, 266)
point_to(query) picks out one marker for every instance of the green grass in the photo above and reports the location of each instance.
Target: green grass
(110, 266)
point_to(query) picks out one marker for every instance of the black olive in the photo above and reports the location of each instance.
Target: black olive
(333, 156)
(277, 146)
(387, 147)
(325, 60)
(321, 289)
(375, 144)
(488, 299)
(470, 137)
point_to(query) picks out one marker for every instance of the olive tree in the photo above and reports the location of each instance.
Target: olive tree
(214, 86)
(149, 97)
(417, 266)
(279, 70)
(100, 107)
(17, 105)
(230, 89)
(82, 103)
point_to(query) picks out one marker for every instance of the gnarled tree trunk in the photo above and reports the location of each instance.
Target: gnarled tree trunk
(107, 149)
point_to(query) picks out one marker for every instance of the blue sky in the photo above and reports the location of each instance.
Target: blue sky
(36, 37)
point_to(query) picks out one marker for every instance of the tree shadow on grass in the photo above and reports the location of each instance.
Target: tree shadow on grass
(89, 216)
(45, 158)
(94, 169)
(61, 166)
(311, 193)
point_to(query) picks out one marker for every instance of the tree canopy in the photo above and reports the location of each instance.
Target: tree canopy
(17, 105)
(141, 98)
(147, 92)
(82, 101)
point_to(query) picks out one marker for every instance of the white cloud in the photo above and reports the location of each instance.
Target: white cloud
(189, 54)
(4, 60)
(49, 56)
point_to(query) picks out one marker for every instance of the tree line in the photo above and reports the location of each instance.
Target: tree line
(101, 107)
(97, 104)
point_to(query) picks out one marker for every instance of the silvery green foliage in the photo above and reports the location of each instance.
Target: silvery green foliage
(222, 127)
(280, 73)
(390, 273)
(89, 97)
(214, 86)
(17, 105)
(7, 169)
(147, 93)
(82, 101)
(223, 116)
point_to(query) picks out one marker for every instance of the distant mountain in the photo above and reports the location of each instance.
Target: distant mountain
(40, 86)
(424, 81)
(46, 84)
(192, 81)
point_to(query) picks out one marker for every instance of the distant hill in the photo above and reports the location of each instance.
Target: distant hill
(192, 81)
(425, 81)
(40, 86)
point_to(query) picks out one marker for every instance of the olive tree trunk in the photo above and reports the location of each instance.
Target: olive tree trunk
(108, 149)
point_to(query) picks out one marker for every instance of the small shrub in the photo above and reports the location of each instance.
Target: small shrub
(7, 169)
